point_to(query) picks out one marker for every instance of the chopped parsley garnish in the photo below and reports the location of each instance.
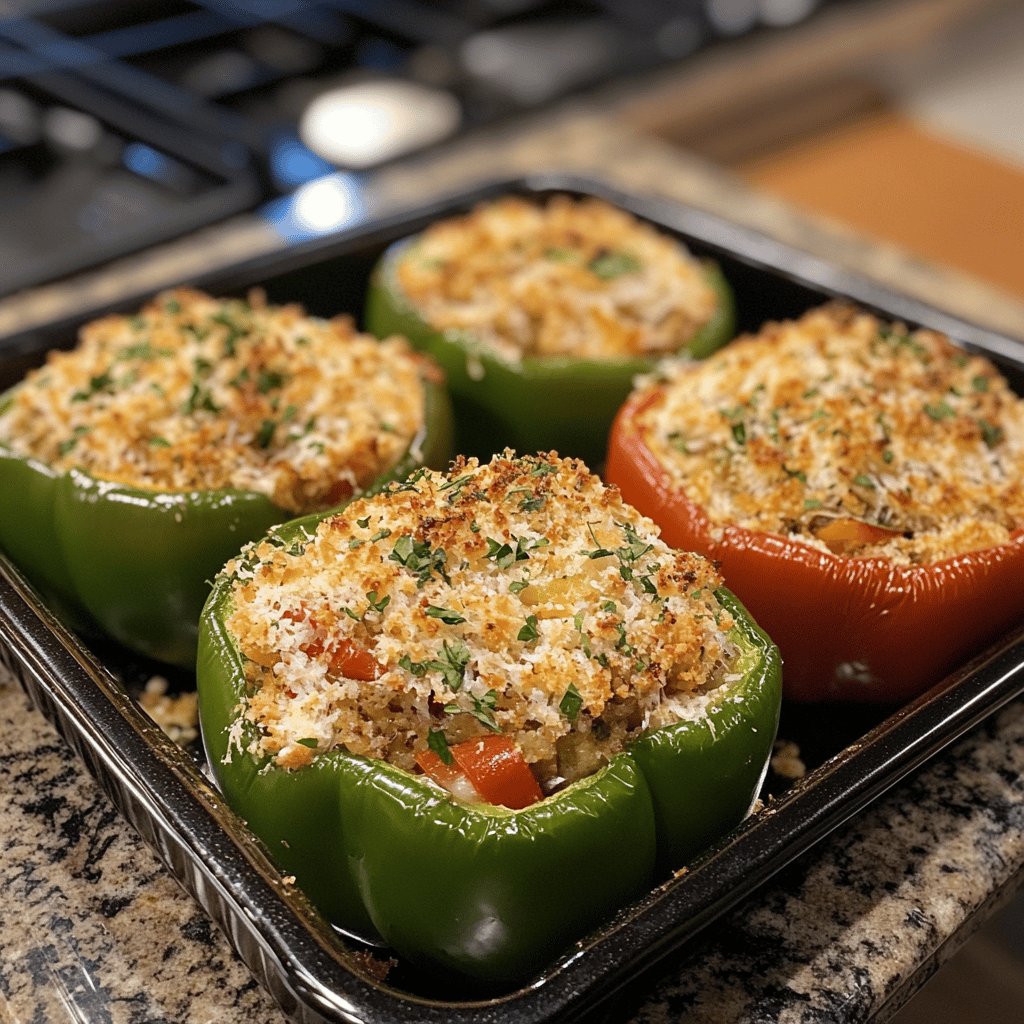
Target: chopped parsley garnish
(739, 432)
(378, 604)
(677, 440)
(622, 644)
(887, 455)
(380, 535)
(577, 621)
(416, 668)
(634, 547)
(518, 586)
(543, 469)
(160, 442)
(503, 555)
(811, 503)
(199, 398)
(101, 382)
(419, 559)
(980, 383)
(482, 709)
(940, 410)
(173, 306)
(529, 632)
(863, 480)
(308, 741)
(363, 523)
(990, 434)
(534, 504)
(452, 618)
(266, 433)
(410, 482)
(452, 663)
(143, 350)
(234, 330)
(571, 703)
(560, 254)
(609, 265)
(439, 745)
(458, 482)
(65, 446)
(269, 380)
(796, 474)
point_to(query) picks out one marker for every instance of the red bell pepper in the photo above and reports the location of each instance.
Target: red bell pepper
(850, 629)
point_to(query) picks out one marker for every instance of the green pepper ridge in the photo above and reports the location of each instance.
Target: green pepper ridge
(135, 563)
(480, 891)
(533, 404)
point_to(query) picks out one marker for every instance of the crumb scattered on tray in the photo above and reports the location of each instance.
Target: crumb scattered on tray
(177, 715)
(786, 760)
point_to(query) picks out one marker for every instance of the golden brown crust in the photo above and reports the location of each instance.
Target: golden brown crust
(201, 393)
(491, 590)
(815, 427)
(577, 278)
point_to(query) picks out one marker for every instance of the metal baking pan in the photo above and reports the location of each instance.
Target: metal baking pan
(316, 973)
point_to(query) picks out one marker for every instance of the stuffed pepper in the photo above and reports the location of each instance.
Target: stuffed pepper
(541, 315)
(861, 485)
(480, 710)
(135, 465)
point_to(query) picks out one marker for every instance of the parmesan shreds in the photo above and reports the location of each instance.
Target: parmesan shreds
(522, 596)
(570, 278)
(850, 434)
(200, 393)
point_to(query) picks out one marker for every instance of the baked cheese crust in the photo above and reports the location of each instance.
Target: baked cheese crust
(520, 596)
(569, 278)
(198, 393)
(816, 425)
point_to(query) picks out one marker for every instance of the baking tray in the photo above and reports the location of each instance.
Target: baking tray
(317, 974)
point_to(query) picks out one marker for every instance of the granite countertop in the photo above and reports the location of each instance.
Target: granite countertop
(97, 930)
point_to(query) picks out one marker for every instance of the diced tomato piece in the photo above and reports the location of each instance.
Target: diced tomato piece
(447, 775)
(348, 659)
(843, 535)
(496, 767)
(493, 766)
(353, 662)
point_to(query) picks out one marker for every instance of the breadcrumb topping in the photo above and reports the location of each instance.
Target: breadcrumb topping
(851, 434)
(202, 393)
(520, 596)
(569, 278)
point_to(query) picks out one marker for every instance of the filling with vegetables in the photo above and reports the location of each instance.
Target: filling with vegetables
(856, 436)
(201, 393)
(572, 278)
(506, 628)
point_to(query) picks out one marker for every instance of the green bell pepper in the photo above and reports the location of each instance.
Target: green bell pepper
(533, 404)
(482, 891)
(135, 563)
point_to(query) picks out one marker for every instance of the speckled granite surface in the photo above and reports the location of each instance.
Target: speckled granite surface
(96, 930)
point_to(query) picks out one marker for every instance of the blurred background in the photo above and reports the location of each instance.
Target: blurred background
(128, 123)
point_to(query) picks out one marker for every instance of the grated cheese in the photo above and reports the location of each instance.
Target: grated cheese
(487, 597)
(838, 418)
(201, 393)
(578, 278)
